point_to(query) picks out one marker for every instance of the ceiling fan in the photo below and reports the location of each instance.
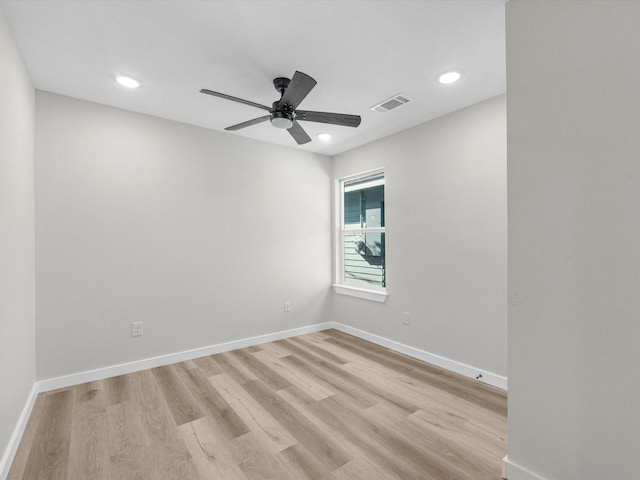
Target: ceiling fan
(283, 113)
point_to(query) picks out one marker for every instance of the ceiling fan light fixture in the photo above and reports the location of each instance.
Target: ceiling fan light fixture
(450, 77)
(127, 81)
(280, 120)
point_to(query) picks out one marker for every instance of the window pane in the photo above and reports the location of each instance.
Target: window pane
(364, 259)
(364, 208)
(373, 201)
(352, 210)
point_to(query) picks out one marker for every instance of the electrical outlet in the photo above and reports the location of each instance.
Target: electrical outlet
(136, 329)
(406, 318)
(287, 306)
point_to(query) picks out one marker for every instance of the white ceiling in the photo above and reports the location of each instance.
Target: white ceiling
(360, 52)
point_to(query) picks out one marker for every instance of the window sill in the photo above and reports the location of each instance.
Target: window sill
(374, 295)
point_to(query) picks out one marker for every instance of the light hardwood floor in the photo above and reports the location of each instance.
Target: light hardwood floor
(324, 406)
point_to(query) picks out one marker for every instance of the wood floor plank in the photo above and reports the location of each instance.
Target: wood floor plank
(404, 451)
(356, 440)
(325, 343)
(261, 371)
(363, 468)
(88, 453)
(319, 335)
(182, 405)
(322, 406)
(49, 454)
(234, 368)
(93, 392)
(275, 348)
(335, 380)
(210, 451)
(418, 392)
(322, 420)
(302, 463)
(293, 375)
(446, 456)
(341, 380)
(208, 366)
(164, 444)
(465, 432)
(307, 345)
(484, 395)
(257, 463)
(212, 403)
(127, 445)
(274, 435)
(116, 389)
(324, 448)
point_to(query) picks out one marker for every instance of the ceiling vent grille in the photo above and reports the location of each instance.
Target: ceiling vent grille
(390, 103)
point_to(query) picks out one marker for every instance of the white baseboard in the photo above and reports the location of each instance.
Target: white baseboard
(14, 441)
(443, 362)
(518, 472)
(124, 368)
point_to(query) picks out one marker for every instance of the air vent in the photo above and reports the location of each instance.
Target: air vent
(391, 103)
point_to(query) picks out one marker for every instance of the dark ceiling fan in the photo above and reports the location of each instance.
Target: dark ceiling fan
(283, 113)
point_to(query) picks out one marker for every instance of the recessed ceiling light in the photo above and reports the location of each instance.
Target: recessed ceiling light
(324, 136)
(127, 81)
(449, 77)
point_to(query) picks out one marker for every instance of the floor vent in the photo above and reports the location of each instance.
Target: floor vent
(391, 103)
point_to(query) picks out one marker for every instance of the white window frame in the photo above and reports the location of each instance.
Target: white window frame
(376, 294)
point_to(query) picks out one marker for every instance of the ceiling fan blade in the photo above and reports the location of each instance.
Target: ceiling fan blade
(299, 87)
(326, 117)
(298, 134)
(248, 123)
(235, 99)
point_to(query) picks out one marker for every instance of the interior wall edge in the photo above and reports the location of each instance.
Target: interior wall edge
(17, 240)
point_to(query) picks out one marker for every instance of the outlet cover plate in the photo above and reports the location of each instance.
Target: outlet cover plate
(136, 329)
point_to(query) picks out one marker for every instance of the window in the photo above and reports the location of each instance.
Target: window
(361, 237)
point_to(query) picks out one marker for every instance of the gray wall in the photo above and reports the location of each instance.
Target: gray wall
(201, 235)
(17, 323)
(446, 236)
(574, 239)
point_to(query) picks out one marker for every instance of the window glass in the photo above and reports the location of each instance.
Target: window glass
(364, 259)
(362, 245)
